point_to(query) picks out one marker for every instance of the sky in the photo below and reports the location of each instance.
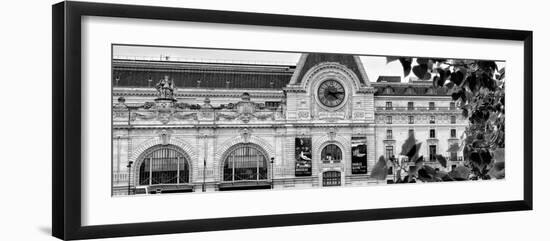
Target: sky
(374, 66)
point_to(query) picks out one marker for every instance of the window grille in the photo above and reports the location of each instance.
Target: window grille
(331, 153)
(164, 165)
(331, 178)
(246, 162)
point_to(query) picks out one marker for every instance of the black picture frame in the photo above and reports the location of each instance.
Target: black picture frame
(66, 127)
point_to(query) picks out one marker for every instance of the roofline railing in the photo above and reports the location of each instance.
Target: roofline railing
(165, 58)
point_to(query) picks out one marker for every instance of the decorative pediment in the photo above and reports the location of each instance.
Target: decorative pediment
(245, 110)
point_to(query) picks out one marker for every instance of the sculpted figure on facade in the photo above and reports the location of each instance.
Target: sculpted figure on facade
(165, 88)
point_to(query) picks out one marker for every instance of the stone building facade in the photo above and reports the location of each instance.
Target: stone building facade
(189, 126)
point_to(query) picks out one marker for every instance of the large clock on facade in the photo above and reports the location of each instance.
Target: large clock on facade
(331, 93)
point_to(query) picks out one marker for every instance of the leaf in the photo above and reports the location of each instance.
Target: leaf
(409, 148)
(486, 81)
(420, 160)
(472, 83)
(443, 176)
(422, 61)
(406, 63)
(443, 76)
(418, 163)
(475, 158)
(427, 174)
(390, 59)
(487, 66)
(465, 112)
(441, 159)
(497, 171)
(460, 173)
(457, 77)
(421, 71)
(458, 95)
(438, 60)
(466, 151)
(486, 156)
(501, 74)
(498, 155)
(380, 170)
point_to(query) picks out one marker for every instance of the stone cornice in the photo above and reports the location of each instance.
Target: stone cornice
(229, 126)
(197, 92)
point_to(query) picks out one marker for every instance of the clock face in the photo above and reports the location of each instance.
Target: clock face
(331, 93)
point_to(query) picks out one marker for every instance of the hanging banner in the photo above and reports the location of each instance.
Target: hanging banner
(303, 156)
(359, 155)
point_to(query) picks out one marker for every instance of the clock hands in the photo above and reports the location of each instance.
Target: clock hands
(335, 93)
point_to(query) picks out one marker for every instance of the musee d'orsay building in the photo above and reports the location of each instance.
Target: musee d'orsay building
(196, 126)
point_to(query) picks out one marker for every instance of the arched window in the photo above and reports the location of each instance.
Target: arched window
(245, 162)
(331, 153)
(164, 165)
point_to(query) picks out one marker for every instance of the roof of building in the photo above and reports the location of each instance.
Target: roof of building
(348, 60)
(409, 89)
(145, 73)
(391, 79)
(392, 86)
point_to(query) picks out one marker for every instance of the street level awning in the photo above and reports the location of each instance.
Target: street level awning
(244, 185)
(170, 188)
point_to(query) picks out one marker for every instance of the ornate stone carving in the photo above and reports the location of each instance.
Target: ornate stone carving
(165, 88)
(164, 136)
(165, 111)
(245, 110)
(185, 116)
(359, 115)
(206, 104)
(303, 114)
(245, 134)
(331, 133)
(144, 115)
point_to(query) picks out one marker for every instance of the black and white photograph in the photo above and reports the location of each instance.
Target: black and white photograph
(275, 120)
(196, 120)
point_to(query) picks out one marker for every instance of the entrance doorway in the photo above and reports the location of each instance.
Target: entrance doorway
(433, 152)
(331, 178)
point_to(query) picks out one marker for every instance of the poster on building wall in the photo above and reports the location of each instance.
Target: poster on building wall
(358, 155)
(303, 156)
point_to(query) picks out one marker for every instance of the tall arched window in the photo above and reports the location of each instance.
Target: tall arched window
(245, 162)
(331, 153)
(164, 165)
